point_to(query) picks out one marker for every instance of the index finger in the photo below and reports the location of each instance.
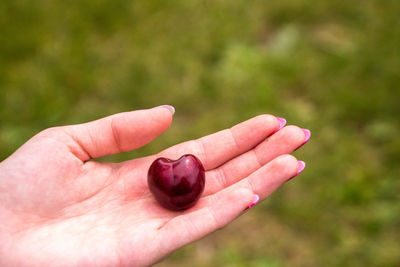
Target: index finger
(217, 148)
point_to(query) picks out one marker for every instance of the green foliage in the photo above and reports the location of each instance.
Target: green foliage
(330, 66)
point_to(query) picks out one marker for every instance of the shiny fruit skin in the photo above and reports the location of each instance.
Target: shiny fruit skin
(177, 185)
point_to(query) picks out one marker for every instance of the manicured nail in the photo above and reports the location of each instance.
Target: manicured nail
(282, 123)
(169, 107)
(300, 168)
(307, 134)
(256, 199)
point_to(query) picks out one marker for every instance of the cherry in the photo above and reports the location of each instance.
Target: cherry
(176, 184)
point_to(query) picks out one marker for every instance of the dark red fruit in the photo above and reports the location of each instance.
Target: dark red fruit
(177, 184)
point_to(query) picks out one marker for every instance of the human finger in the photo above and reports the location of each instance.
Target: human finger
(283, 142)
(118, 133)
(215, 149)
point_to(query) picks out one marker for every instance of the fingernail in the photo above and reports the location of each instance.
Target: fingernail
(169, 107)
(256, 199)
(282, 123)
(300, 168)
(307, 134)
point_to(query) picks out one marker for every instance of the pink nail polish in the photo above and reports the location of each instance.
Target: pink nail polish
(169, 107)
(255, 201)
(300, 168)
(282, 123)
(307, 135)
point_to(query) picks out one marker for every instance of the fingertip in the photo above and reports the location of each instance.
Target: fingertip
(170, 108)
(301, 166)
(256, 199)
(238, 199)
(287, 164)
(282, 123)
(293, 133)
(244, 194)
(307, 135)
(162, 117)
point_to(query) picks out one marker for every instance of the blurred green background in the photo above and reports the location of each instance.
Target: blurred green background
(330, 66)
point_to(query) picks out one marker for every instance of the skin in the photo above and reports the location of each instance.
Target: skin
(59, 207)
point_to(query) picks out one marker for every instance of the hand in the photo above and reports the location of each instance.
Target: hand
(60, 208)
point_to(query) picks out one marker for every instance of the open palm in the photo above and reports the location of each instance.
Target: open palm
(60, 208)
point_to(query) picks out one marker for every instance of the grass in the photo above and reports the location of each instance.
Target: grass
(330, 66)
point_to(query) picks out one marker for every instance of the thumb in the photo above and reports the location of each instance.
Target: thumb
(119, 132)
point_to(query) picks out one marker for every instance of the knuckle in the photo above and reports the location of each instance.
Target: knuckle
(213, 219)
(114, 126)
(49, 132)
(200, 150)
(221, 178)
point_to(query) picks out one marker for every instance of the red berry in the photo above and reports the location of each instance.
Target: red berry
(176, 184)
